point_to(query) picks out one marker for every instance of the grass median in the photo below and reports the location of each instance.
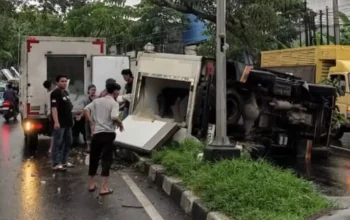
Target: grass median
(242, 189)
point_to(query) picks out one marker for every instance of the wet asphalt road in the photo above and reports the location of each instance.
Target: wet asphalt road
(330, 176)
(30, 191)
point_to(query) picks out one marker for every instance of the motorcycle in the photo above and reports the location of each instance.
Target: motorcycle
(9, 111)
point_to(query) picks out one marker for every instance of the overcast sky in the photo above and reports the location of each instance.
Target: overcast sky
(132, 2)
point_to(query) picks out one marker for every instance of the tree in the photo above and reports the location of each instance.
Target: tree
(100, 20)
(7, 11)
(345, 29)
(256, 24)
(157, 24)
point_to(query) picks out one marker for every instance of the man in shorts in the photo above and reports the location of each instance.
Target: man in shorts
(103, 117)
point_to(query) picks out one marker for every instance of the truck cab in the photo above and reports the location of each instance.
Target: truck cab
(340, 74)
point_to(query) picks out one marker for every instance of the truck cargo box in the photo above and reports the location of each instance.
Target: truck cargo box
(160, 78)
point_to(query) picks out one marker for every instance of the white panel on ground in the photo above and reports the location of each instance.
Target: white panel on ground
(144, 135)
(105, 67)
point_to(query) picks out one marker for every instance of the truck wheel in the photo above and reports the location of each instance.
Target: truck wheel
(234, 106)
(32, 143)
(7, 118)
(337, 134)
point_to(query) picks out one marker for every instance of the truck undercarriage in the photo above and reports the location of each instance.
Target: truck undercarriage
(271, 109)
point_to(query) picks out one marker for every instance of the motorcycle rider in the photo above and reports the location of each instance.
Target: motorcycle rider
(10, 95)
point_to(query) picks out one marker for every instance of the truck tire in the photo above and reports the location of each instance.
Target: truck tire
(235, 105)
(7, 118)
(337, 134)
(32, 142)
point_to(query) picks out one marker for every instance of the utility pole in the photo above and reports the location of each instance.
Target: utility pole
(306, 23)
(327, 21)
(221, 148)
(336, 22)
(300, 35)
(321, 27)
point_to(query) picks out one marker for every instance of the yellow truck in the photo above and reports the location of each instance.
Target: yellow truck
(313, 64)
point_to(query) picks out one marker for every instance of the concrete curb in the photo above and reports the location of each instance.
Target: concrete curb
(173, 187)
(340, 151)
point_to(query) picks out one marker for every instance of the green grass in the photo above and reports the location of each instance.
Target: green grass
(242, 189)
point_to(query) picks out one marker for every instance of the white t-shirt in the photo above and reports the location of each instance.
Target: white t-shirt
(103, 111)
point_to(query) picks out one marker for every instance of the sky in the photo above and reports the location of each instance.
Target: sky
(132, 2)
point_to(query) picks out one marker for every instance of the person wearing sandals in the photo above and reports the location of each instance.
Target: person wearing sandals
(49, 88)
(90, 97)
(61, 112)
(103, 117)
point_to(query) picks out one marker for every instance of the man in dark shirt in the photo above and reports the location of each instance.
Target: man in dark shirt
(129, 79)
(61, 110)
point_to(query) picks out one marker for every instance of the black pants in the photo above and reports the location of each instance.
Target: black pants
(101, 147)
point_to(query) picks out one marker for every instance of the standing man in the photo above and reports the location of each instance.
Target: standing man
(49, 88)
(103, 116)
(89, 98)
(61, 110)
(104, 92)
(129, 79)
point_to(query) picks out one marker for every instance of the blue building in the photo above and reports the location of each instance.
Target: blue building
(195, 33)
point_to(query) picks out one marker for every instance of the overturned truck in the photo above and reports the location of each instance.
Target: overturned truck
(270, 109)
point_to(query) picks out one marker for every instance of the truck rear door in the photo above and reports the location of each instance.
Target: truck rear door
(105, 67)
(144, 135)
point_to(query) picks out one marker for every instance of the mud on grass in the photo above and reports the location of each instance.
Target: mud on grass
(242, 189)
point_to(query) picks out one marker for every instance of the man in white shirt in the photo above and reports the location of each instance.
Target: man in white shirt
(49, 88)
(103, 116)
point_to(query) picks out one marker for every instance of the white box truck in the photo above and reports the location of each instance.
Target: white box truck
(83, 60)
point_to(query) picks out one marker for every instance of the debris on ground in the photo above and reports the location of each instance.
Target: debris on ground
(132, 206)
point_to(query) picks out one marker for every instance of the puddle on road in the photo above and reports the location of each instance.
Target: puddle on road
(330, 176)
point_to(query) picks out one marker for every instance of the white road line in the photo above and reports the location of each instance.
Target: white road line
(146, 204)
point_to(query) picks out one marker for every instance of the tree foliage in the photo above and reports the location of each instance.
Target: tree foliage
(254, 25)
(111, 19)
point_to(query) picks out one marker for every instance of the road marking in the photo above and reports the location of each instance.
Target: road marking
(146, 204)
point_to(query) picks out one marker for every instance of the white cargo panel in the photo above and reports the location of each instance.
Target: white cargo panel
(158, 71)
(144, 135)
(174, 66)
(35, 56)
(105, 67)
